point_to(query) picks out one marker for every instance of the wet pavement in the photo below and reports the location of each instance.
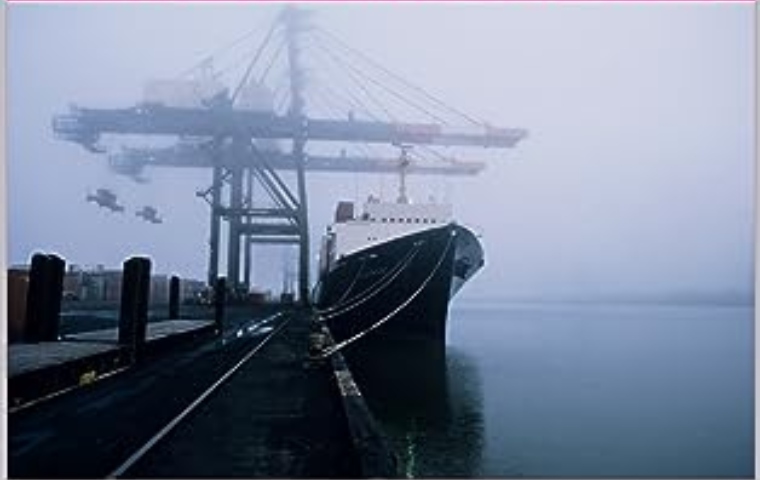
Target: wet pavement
(261, 415)
(277, 417)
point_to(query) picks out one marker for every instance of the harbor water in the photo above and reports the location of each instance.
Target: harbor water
(574, 390)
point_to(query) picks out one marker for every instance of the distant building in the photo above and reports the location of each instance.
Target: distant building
(97, 284)
(159, 289)
(18, 284)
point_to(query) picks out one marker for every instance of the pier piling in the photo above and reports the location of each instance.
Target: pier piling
(220, 298)
(43, 300)
(133, 314)
(174, 298)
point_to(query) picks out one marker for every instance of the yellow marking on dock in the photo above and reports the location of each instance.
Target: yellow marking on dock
(88, 377)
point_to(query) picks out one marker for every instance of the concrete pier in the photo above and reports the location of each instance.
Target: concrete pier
(248, 403)
(37, 370)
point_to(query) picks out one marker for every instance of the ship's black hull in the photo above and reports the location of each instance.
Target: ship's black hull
(400, 288)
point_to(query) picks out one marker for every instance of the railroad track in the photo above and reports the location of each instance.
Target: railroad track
(111, 419)
(203, 397)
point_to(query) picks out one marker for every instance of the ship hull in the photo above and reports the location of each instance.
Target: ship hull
(399, 288)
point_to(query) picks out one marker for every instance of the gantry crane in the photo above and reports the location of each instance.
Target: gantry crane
(232, 142)
(133, 161)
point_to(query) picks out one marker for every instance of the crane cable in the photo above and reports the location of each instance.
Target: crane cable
(348, 68)
(323, 101)
(351, 101)
(249, 69)
(325, 95)
(390, 91)
(398, 78)
(224, 48)
(277, 53)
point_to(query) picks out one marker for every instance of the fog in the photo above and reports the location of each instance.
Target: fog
(636, 179)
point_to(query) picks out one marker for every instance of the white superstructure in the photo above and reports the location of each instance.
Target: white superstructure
(379, 222)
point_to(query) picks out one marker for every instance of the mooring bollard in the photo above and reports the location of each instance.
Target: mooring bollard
(220, 298)
(128, 303)
(174, 298)
(141, 325)
(43, 299)
(39, 281)
(133, 313)
(51, 328)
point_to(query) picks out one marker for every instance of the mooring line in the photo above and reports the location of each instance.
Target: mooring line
(377, 285)
(371, 291)
(339, 346)
(135, 457)
(356, 278)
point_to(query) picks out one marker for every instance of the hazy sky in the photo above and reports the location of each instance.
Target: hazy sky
(637, 176)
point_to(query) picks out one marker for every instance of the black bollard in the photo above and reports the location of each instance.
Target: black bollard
(35, 297)
(141, 324)
(52, 324)
(174, 298)
(128, 304)
(220, 298)
(43, 299)
(133, 314)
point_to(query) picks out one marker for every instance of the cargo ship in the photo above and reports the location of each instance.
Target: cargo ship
(391, 270)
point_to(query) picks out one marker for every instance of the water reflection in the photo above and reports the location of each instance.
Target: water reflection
(429, 402)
